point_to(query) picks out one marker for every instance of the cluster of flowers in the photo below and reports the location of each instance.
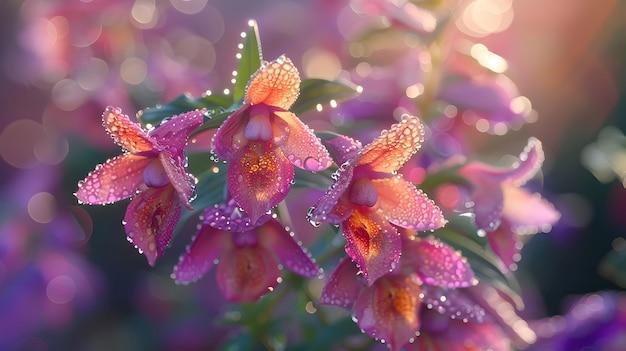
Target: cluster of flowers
(394, 280)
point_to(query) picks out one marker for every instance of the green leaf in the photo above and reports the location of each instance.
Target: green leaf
(327, 337)
(321, 91)
(184, 103)
(250, 61)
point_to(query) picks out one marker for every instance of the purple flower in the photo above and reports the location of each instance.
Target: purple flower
(152, 167)
(248, 253)
(593, 322)
(389, 308)
(502, 208)
(369, 197)
(263, 141)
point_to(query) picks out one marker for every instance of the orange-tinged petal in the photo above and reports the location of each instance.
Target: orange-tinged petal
(150, 220)
(393, 147)
(389, 310)
(372, 243)
(276, 83)
(259, 178)
(126, 133)
(117, 179)
(303, 148)
(246, 273)
(406, 206)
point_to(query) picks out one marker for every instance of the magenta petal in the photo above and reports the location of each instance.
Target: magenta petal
(178, 176)
(506, 244)
(150, 220)
(201, 255)
(246, 273)
(259, 178)
(488, 201)
(174, 132)
(228, 217)
(453, 303)
(488, 99)
(229, 137)
(325, 209)
(290, 253)
(373, 243)
(343, 148)
(406, 206)
(438, 264)
(117, 179)
(343, 286)
(303, 148)
(441, 333)
(531, 160)
(389, 310)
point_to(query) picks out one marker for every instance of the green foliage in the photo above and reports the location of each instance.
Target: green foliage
(249, 62)
(321, 91)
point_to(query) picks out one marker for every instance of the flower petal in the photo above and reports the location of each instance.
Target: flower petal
(439, 332)
(303, 148)
(182, 182)
(276, 83)
(436, 263)
(228, 217)
(372, 243)
(290, 252)
(531, 160)
(259, 179)
(486, 195)
(244, 274)
(330, 207)
(507, 245)
(452, 303)
(406, 206)
(343, 148)
(150, 220)
(117, 179)
(393, 147)
(174, 132)
(126, 133)
(343, 286)
(526, 212)
(201, 255)
(389, 310)
(229, 137)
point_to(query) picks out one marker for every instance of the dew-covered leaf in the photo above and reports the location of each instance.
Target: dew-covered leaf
(249, 62)
(320, 91)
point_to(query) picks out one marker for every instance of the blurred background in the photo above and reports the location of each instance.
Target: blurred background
(68, 278)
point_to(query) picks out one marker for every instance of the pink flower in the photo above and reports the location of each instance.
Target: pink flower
(440, 332)
(151, 167)
(369, 197)
(248, 253)
(503, 208)
(263, 141)
(389, 309)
